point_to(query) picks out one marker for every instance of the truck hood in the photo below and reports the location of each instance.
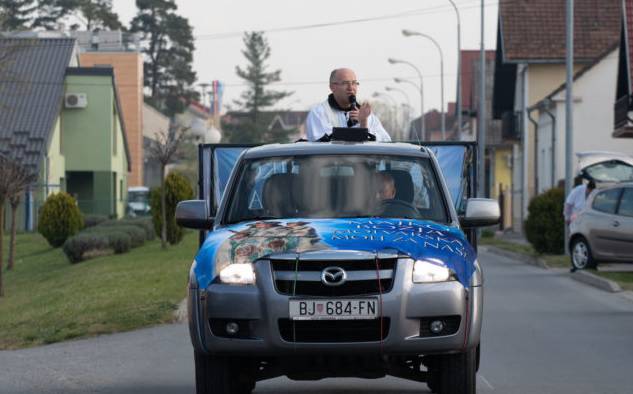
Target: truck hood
(420, 240)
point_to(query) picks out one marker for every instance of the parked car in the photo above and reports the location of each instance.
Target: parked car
(304, 272)
(603, 230)
(138, 201)
(605, 168)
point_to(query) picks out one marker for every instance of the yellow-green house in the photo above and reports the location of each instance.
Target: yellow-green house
(93, 143)
(63, 123)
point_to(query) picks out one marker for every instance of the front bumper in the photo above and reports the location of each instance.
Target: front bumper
(261, 307)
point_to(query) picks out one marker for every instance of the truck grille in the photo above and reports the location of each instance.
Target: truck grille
(320, 331)
(303, 278)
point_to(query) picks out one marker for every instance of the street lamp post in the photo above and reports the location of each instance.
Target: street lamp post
(409, 33)
(459, 70)
(396, 61)
(406, 96)
(421, 90)
(393, 104)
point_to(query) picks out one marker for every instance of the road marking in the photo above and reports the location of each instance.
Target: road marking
(486, 381)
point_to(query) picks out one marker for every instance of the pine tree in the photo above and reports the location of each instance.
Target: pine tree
(96, 14)
(91, 14)
(16, 14)
(257, 97)
(169, 55)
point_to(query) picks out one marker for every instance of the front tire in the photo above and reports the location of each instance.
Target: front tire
(222, 375)
(581, 257)
(458, 373)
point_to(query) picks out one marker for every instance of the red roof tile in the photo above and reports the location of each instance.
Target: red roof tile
(534, 30)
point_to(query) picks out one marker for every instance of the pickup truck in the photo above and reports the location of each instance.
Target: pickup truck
(306, 270)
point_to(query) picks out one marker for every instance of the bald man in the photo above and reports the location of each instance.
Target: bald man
(337, 111)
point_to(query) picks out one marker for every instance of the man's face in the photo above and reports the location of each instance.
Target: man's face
(386, 189)
(344, 85)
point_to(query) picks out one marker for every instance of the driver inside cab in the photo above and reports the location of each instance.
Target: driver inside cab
(386, 203)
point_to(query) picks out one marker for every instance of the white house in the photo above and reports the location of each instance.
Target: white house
(593, 120)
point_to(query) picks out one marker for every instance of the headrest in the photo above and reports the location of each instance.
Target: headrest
(277, 195)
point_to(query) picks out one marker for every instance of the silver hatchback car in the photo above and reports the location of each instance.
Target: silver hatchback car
(603, 231)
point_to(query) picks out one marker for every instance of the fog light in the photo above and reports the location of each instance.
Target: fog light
(436, 326)
(232, 328)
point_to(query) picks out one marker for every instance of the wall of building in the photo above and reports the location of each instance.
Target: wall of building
(87, 132)
(128, 73)
(120, 168)
(542, 79)
(93, 141)
(593, 115)
(55, 161)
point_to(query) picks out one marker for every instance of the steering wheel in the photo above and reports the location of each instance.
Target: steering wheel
(398, 208)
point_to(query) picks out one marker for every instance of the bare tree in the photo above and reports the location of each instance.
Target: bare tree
(5, 169)
(21, 178)
(165, 149)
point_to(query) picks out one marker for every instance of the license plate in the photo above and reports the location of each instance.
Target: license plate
(334, 309)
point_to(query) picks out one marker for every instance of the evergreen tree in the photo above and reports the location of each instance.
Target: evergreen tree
(16, 14)
(90, 15)
(257, 97)
(95, 15)
(51, 12)
(169, 48)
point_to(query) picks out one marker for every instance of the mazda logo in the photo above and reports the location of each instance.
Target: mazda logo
(333, 276)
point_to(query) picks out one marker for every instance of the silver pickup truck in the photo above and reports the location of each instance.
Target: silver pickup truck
(336, 259)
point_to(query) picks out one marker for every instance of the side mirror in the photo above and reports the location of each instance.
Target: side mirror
(480, 212)
(193, 214)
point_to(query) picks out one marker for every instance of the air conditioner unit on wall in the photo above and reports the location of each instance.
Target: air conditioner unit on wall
(75, 100)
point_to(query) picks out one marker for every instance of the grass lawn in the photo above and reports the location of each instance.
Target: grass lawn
(48, 300)
(624, 279)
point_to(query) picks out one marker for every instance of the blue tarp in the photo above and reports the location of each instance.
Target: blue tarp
(249, 241)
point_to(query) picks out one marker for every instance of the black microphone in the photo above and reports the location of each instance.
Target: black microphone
(354, 105)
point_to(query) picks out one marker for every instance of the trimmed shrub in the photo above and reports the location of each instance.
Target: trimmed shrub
(94, 220)
(143, 223)
(487, 233)
(135, 233)
(178, 189)
(76, 247)
(59, 218)
(545, 226)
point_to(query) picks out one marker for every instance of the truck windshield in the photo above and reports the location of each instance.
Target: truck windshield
(337, 186)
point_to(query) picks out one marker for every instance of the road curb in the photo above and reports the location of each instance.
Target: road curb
(516, 256)
(596, 281)
(580, 276)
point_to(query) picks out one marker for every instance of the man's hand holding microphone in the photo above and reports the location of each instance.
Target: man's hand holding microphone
(358, 113)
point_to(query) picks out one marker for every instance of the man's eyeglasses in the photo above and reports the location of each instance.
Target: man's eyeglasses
(346, 83)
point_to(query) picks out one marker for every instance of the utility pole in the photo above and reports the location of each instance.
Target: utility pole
(569, 119)
(482, 112)
(459, 71)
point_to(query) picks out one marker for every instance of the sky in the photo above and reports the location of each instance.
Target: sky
(306, 56)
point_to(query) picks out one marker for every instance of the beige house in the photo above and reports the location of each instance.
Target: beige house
(530, 64)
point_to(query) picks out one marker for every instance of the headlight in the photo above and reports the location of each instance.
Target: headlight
(426, 271)
(238, 274)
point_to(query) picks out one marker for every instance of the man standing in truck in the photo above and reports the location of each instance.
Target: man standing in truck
(342, 110)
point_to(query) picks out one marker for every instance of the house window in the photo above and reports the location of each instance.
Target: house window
(121, 190)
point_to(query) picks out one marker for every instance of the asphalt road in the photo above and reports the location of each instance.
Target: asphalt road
(543, 333)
